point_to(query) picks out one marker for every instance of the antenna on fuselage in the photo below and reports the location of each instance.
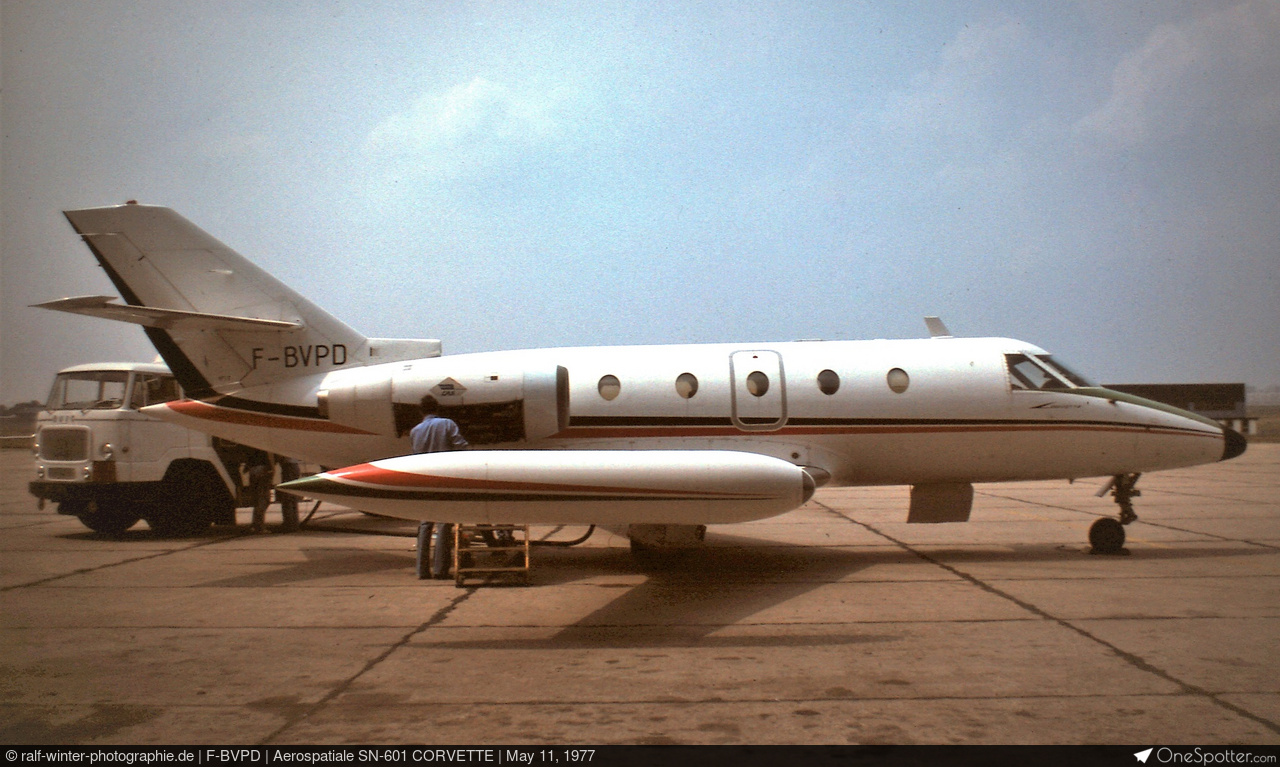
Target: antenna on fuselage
(936, 328)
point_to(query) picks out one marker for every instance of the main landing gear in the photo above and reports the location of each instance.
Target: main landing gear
(1107, 534)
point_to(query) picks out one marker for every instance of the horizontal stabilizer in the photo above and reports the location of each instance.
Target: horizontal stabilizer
(167, 319)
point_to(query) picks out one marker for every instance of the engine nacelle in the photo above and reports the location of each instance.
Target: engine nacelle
(364, 404)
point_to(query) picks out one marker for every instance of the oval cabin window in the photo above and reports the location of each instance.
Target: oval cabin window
(609, 387)
(687, 385)
(757, 384)
(828, 382)
(898, 380)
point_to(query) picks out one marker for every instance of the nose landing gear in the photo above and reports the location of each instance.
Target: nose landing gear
(1107, 534)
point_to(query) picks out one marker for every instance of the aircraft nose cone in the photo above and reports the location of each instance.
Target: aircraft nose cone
(1234, 444)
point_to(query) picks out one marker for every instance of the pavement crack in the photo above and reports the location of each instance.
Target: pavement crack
(1131, 658)
(307, 712)
(108, 565)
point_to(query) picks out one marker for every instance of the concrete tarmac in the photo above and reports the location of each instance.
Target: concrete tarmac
(837, 623)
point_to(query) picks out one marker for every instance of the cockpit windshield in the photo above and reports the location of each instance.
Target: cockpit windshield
(1063, 370)
(1038, 372)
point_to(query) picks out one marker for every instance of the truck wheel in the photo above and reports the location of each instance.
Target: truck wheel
(73, 508)
(109, 519)
(192, 500)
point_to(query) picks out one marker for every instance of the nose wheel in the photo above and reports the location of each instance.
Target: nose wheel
(1107, 534)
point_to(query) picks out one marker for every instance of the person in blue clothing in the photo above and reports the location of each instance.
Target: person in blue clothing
(435, 434)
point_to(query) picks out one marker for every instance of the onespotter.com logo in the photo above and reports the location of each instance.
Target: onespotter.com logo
(1197, 755)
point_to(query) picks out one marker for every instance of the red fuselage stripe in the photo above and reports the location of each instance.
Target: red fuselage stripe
(208, 412)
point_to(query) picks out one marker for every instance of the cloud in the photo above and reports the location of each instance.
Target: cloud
(960, 94)
(472, 129)
(1220, 70)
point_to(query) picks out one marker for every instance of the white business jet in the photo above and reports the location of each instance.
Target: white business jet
(655, 440)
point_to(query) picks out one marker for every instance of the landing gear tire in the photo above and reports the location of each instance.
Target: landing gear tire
(424, 550)
(1107, 536)
(441, 551)
(108, 519)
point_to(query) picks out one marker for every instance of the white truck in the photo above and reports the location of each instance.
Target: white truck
(102, 460)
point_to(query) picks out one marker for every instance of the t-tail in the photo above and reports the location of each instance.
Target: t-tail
(221, 323)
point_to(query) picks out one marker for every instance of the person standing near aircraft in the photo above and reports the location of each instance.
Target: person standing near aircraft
(289, 470)
(260, 469)
(261, 466)
(435, 434)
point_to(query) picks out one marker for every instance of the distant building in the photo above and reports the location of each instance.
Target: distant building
(1223, 402)
(18, 423)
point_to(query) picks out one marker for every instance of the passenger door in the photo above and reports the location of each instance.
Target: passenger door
(758, 390)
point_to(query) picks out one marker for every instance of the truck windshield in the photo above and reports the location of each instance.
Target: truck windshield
(89, 390)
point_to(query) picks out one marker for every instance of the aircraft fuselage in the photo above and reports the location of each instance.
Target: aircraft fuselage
(865, 412)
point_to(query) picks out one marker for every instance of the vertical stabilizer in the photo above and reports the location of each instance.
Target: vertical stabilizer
(220, 322)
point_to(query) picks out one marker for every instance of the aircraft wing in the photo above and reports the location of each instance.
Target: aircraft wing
(152, 317)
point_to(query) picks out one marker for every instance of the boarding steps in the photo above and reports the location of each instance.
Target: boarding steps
(474, 558)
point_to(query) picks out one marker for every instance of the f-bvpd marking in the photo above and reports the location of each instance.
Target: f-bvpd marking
(304, 356)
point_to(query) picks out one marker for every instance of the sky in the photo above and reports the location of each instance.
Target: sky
(1100, 179)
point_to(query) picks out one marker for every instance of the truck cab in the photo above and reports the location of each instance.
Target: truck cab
(102, 460)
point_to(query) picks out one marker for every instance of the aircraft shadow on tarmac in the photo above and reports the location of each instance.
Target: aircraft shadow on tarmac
(686, 597)
(692, 596)
(321, 564)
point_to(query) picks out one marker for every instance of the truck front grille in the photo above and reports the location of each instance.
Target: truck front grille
(64, 444)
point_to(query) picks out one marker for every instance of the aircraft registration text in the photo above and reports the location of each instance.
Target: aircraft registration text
(304, 356)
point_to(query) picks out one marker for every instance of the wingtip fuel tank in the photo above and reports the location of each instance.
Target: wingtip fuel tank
(568, 486)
